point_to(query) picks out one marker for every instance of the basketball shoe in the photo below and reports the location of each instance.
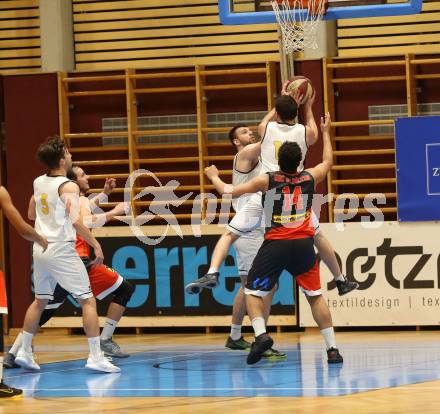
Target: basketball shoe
(239, 344)
(101, 364)
(333, 356)
(26, 360)
(262, 343)
(209, 281)
(9, 392)
(345, 286)
(9, 361)
(112, 349)
(274, 355)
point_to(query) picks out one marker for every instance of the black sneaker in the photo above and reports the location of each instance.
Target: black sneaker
(8, 392)
(345, 286)
(333, 356)
(239, 344)
(274, 355)
(209, 281)
(262, 343)
(9, 361)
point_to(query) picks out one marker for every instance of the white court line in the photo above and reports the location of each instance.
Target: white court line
(88, 370)
(231, 389)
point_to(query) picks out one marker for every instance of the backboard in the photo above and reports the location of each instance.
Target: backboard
(235, 12)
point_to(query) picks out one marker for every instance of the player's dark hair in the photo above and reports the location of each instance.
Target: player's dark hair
(289, 157)
(71, 174)
(51, 152)
(286, 107)
(233, 133)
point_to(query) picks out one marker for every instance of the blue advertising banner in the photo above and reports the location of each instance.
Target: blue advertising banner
(418, 168)
(159, 274)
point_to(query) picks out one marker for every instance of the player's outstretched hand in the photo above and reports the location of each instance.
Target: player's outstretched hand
(121, 209)
(326, 122)
(310, 101)
(296, 96)
(211, 172)
(110, 184)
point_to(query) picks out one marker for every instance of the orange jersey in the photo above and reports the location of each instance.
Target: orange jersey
(81, 246)
(292, 231)
(290, 196)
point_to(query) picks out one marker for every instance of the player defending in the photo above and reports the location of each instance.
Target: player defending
(277, 126)
(56, 208)
(103, 280)
(28, 233)
(246, 165)
(288, 245)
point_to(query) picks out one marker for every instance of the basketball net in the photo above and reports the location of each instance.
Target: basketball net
(298, 21)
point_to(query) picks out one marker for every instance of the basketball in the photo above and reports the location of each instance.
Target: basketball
(303, 84)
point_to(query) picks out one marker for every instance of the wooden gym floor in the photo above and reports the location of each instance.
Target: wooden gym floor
(383, 372)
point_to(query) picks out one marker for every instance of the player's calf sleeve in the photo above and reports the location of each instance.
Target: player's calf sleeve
(59, 296)
(123, 293)
(46, 315)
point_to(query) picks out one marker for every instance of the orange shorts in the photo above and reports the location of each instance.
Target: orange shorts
(3, 298)
(103, 280)
(310, 282)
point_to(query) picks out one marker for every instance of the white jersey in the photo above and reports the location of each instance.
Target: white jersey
(240, 177)
(275, 135)
(52, 220)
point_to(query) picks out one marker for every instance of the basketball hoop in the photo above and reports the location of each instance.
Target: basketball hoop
(298, 21)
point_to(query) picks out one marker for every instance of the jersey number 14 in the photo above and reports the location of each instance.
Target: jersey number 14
(294, 199)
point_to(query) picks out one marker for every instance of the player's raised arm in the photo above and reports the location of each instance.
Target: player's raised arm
(69, 193)
(250, 152)
(270, 116)
(311, 127)
(24, 229)
(259, 183)
(99, 219)
(320, 171)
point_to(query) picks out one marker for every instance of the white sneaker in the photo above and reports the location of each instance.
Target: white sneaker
(26, 360)
(101, 364)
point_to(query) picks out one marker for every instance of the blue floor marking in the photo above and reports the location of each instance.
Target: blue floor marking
(216, 372)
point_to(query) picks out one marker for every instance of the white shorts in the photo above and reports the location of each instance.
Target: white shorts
(246, 248)
(60, 264)
(252, 217)
(249, 218)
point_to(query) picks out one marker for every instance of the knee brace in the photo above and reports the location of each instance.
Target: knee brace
(123, 293)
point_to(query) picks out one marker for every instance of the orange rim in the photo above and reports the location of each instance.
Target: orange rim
(306, 4)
